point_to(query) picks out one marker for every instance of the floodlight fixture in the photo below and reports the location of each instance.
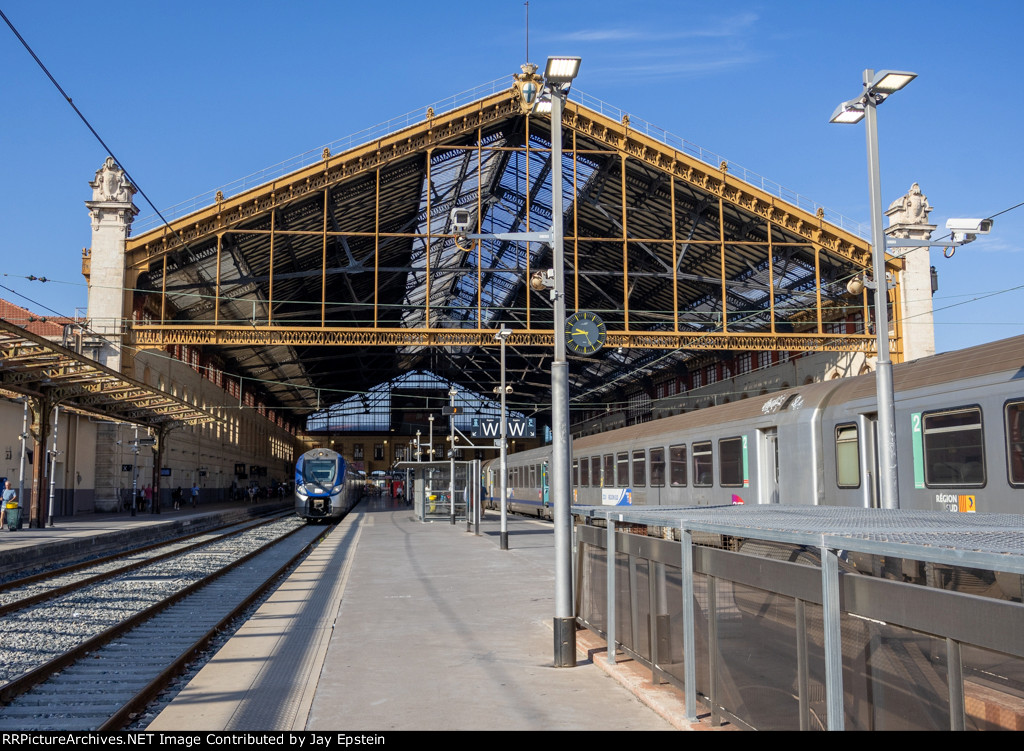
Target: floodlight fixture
(562, 69)
(888, 81)
(848, 113)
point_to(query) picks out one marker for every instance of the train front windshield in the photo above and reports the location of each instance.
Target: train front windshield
(320, 471)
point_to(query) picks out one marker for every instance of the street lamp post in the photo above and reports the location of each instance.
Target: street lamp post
(877, 89)
(501, 336)
(559, 74)
(453, 392)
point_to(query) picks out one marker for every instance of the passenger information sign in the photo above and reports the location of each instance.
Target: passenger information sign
(490, 427)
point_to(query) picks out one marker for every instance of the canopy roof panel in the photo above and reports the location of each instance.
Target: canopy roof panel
(358, 250)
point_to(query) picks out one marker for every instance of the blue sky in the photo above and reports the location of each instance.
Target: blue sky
(192, 95)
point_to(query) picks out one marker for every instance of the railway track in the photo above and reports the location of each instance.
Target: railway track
(93, 657)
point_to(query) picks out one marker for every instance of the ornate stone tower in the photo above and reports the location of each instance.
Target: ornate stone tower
(112, 212)
(908, 218)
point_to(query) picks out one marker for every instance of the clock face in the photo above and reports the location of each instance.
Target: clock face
(585, 333)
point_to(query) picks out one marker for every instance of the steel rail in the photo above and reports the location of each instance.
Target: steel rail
(51, 594)
(34, 677)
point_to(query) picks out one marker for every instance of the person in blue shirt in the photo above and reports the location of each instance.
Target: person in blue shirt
(10, 495)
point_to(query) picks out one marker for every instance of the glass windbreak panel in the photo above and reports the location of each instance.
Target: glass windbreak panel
(677, 465)
(702, 464)
(320, 471)
(608, 479)
(730, 462)
(639, 469)
(954, 455)
(658, 468)
(622, 462)
(847, 457)
(1015, 442)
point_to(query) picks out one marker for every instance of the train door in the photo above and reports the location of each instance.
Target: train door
(769, 466)
(868, 428)
(544, 491)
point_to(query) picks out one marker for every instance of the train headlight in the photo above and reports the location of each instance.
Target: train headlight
(337, 489)
(300, 491)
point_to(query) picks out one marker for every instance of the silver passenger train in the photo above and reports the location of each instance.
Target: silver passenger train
(959, 436)
(326, 488)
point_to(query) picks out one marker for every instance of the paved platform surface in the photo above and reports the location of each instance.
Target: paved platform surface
(393, 624)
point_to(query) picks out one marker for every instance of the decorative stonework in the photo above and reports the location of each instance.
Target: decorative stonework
(912, 208)
(112, 212)
(112, 194)
(908, 219)
(111, 184)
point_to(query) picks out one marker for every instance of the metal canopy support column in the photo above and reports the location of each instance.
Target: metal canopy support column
(610, 586)
(689, 630)
(955, 679)
(833, 638)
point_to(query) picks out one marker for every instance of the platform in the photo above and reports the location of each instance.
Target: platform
(393, 624)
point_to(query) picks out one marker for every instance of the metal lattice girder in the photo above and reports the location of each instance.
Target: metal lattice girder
(30, 365)
(358, 251)
(160, 336)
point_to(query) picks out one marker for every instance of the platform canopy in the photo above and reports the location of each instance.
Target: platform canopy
(343, 270)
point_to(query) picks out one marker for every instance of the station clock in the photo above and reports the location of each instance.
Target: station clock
(585, 333)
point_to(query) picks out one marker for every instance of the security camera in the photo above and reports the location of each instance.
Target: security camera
(543, 279)
(462, 221)
(966, 230)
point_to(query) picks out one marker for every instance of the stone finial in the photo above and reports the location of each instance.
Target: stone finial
(912, 208)
(111, 184)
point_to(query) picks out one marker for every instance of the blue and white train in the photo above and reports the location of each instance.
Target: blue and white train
(326, 487)
(959, 437)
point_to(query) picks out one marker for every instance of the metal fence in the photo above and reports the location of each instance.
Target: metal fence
(745, 618)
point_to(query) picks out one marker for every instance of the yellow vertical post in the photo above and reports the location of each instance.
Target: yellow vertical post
(675, 272)
(817, 283)
(426, 299)
(376, 248)
(771, 277)
(323, 268)
(625, 245)
(479, 229)
(526, 199)
(163, 295)
(575, 229)
(721, 239)
(270, 271)
(216, 297)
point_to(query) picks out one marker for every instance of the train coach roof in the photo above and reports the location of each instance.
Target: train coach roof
(1005, 356)
(748, 409)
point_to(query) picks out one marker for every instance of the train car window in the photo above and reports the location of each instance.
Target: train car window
(847, 457)
(595, 471)
(954, 455)
(702, 464)
(639, 469)
(730, 462)
(608, 477)
(575, 473)
(622, 467)
(585, 472)
(677, 465)
(658, 468)
(1014, 418)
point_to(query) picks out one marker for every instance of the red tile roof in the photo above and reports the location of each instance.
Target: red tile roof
(48, 326)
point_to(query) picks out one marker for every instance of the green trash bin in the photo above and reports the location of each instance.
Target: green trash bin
(13, 516)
